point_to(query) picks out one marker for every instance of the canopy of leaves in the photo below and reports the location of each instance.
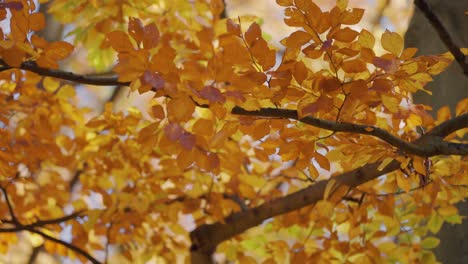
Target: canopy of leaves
(237, 136)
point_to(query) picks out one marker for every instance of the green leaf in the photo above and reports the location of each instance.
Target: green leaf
(430, 243)
(435, 223)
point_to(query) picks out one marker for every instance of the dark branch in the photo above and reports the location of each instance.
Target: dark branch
(450, 126)
(426, 150)
(205, 238)
(66, 244)
(443, 34)
(10, 207)
(35, 252)
(55, 221)
(92, 79)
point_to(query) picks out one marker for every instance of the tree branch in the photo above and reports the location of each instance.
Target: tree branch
(448, 127)
(14, 220)
(32, 227)
(438, 147)
(425, 150)
(65, 244)
(92, 79)
(443, 34)
(206, 238)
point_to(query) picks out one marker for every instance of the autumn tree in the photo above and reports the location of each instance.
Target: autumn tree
(244, 153)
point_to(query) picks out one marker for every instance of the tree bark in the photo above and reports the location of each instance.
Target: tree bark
(448, 88)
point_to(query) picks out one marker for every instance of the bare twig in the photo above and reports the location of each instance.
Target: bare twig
(443, 34)
(66, 244)
(14, 219)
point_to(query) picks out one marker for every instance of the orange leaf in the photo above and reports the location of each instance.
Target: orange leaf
(157, 111)
(180, 109)
(233, 28)
(462, 107)
(253, 33)
(313, 53)
(352, 17)
(300, 72)
(212, 94)
(345, 35)
(135, 29)
(408, 53)
(151, 36)
(36, 21)
(58, 50)
(322, 161)
(354, 66)
(284, 2)
(119, 41)
(296, 39)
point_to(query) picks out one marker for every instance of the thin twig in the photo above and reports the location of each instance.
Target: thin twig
(66, 244)
(10, 207)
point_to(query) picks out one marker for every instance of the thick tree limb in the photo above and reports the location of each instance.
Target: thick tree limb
(205, 238)
(443, 34)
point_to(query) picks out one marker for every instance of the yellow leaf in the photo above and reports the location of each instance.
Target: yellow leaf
(462, 107)
(51, 84)
(391, 103)
(329, 188)
(366, 39)
(393, 42)
(252, 180)
(414, 120)
(66, 92)
(418, 164)
(384, 163)
(325, 209)
(448, 210)
(403, 182)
